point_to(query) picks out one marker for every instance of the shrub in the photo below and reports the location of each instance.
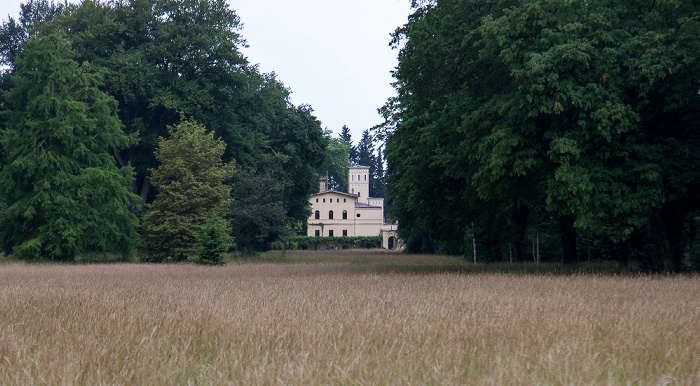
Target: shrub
(213, 243)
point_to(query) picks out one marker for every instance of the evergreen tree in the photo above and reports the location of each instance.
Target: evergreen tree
(191, 191)
(63, 191)
(377, 185)
(347, 138)
(212, 243)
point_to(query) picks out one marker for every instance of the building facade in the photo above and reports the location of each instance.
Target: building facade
(335, 214)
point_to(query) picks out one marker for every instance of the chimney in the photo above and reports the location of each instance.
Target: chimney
(322, 185)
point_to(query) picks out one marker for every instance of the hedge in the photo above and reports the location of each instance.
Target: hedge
(344, 242)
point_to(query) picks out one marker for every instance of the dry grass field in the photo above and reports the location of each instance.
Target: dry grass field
(345, 319)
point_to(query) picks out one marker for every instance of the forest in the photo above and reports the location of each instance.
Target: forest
(103, 103)
(139, 125)
(548, 131)
(521, 131)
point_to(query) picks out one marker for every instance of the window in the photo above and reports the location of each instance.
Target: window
(345, 232)
(317, 216)
(358, 215)
(344, 200)
(318, 233)
(324, 200)
(317, 200)
(345, 215)
(365, 177)
(337, 200)
(330, 215)
(330, 233)
(353, 178)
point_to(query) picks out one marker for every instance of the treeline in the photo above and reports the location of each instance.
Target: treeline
(546, 129)
(93, 98)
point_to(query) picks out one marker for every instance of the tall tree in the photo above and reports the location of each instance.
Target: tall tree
(584, 109)
(347, 138)
(166, 58)
(63, 190)
(192, 190)
(257, 213)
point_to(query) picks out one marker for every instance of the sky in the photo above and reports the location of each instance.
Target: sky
(334, 55)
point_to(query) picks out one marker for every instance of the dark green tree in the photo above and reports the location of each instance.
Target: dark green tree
(192, 190)
(347, 138)
(257, 213)
(365, 155)
(166, 58)
(63, 191)
(213, 242)
(584, 110)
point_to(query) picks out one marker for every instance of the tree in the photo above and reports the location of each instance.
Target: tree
(191, 191)
(336, 164)
(164, 59)
(347, 138)
(212, 243)
(365, 156)
(257, 213)
(64, 192)
(583, 109)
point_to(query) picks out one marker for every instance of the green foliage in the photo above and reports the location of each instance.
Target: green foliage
(163, 59)
(518, 111)
(257, 213)
(212, 243)
(336, 164)
(344, 242)
(191, 191)
(63, 191)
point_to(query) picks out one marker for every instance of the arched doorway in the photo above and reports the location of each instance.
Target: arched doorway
(392, 242)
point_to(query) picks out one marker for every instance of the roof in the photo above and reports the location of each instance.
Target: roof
(334, 191)
(358, 167)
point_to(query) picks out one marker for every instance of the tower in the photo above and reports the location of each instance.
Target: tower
(358, 182)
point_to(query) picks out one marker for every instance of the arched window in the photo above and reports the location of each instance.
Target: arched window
(345, 215)
(317, 215)
(330, 215)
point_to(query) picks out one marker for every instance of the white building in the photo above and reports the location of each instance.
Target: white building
(335, 213)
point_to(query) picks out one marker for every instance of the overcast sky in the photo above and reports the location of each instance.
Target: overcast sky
(333, 54)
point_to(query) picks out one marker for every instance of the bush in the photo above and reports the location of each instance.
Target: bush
(313, 242)
(278, 245)
(213, 243)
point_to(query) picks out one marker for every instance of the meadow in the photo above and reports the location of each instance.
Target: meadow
(326, 317)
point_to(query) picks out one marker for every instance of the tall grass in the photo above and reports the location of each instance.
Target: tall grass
(344, 323)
